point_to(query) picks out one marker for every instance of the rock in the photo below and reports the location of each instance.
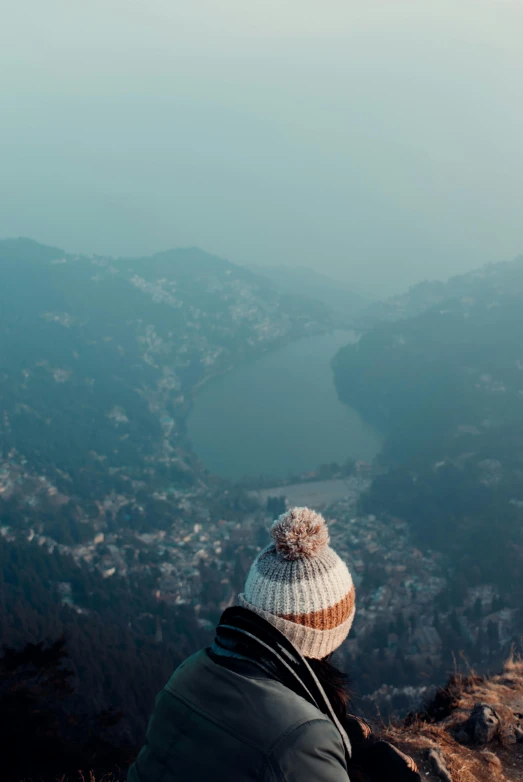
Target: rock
(462, 736)
(437, 761)
(483, 724)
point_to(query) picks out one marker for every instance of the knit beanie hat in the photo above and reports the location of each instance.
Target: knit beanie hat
(301, 586)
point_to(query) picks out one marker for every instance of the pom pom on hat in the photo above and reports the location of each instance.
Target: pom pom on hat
(300, 533)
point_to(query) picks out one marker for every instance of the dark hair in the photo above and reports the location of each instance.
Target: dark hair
(334, 682)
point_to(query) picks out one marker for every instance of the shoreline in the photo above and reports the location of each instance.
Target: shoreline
(292, 474)
(187, 408)
(316, 494)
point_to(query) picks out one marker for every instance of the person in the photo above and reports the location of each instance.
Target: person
(264, 702)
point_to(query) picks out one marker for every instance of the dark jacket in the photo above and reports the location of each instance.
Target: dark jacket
(249, 708)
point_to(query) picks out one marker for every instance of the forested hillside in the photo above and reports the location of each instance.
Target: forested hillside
(81, 661)
(446, 387)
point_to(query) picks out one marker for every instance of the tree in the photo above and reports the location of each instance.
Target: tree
(454, 623)
(493, 637)
(401, 625)
(477, 609)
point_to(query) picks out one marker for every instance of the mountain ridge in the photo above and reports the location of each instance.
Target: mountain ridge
(431, 293)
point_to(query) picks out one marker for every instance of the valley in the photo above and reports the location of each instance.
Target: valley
(155, 414)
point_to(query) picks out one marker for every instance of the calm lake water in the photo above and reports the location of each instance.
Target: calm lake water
(279, 415)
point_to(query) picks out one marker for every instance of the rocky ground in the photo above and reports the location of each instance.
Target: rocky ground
(471, 732)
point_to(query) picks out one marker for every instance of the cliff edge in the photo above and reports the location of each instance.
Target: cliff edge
(472, 731)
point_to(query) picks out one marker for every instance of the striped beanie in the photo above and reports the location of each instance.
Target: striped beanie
(301, 586)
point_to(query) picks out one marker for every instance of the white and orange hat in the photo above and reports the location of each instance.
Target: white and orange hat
(301, 586)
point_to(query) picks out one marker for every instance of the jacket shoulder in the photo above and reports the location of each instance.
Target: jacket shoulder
(256, 709)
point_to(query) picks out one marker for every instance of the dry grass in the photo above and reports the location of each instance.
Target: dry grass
(501, 760)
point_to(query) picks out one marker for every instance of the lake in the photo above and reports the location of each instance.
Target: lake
(279, 415)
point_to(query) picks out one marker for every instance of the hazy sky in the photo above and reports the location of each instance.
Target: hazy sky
(381, 142)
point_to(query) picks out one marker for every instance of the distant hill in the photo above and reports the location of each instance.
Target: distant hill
(305, 282)
(458, 358)
(477, 284)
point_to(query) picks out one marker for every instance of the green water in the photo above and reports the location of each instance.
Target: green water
(279, 415)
